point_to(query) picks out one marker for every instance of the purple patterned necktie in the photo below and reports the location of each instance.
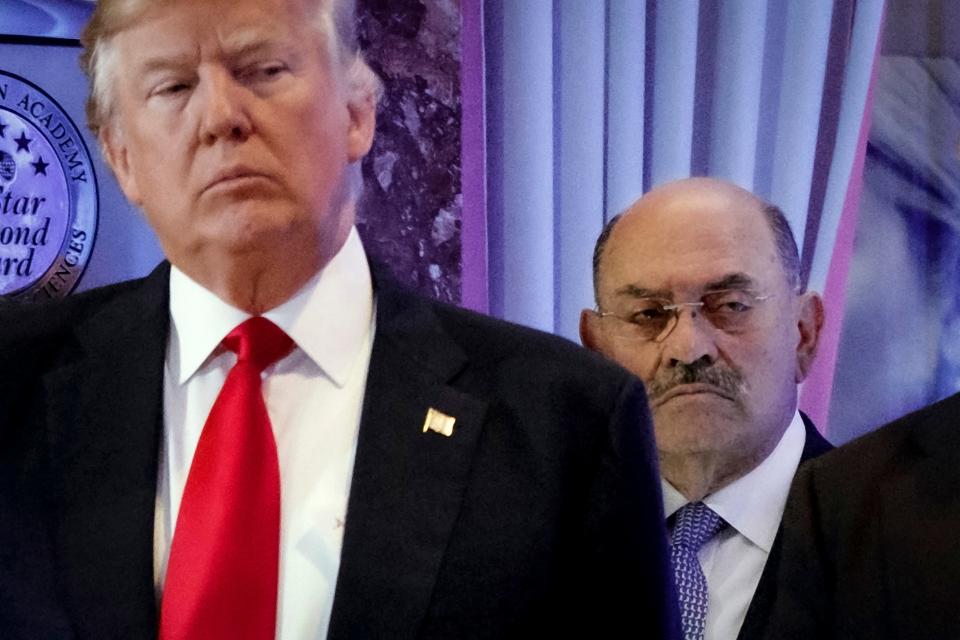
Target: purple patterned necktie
(695, 524)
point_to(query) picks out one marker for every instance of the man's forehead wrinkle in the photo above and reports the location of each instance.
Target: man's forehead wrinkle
(737, 280)
(162, 62)
(234, 45)
(251, 39)
(636, 291)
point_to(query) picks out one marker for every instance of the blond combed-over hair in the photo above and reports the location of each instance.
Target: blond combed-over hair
(334, 21)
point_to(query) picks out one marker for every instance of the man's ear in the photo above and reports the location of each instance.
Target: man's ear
(363, 123)
(810, 324)
(590, 335)
(115, 150)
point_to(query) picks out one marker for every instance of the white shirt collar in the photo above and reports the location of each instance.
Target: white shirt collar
(753, 504)
(327, 318)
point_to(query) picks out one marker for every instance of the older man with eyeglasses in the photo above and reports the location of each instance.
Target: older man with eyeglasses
(698, 292)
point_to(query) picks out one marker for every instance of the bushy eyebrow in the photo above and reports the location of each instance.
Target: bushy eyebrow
(729, 281)
(250, 41)
(635, 291)
(237, 45)
(732, 281)
(163, 62)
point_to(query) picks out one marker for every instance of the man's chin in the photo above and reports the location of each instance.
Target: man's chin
(694, 418)
(690, 439)
(252, 225)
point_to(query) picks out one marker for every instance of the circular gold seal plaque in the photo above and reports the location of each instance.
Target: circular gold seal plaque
(48, 195)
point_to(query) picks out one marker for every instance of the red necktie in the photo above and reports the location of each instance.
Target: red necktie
(224, 560)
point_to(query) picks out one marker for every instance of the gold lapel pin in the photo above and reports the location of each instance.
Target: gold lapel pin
(439, 422)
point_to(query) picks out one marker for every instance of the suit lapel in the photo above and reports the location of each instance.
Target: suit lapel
(105, 419)
(760, 605)
(814, 444)
(407, 484)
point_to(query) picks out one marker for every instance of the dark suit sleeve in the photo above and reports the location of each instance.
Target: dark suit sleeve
(627, 521)
(802, 608)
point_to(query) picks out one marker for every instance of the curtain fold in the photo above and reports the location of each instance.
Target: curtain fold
(624, 142)
(795, 133)
(526, 224)
(737, 81)
(579, 137)
(674, 82)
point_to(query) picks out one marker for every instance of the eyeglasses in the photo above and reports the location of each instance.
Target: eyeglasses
(729, 310)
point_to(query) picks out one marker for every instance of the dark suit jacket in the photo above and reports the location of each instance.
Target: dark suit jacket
(540, 514)
(759, 611)
(871, 543)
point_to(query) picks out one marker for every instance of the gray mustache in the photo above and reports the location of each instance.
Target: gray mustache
(727, 381)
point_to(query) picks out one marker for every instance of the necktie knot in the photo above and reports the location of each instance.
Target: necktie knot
(258, 342)
(695, 525)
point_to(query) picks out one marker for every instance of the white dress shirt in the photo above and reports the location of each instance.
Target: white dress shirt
(752, 507)
(314, 398)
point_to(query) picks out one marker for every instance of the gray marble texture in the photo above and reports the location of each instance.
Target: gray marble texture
(410, 213)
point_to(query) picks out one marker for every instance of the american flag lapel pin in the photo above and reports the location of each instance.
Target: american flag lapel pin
(439, 422)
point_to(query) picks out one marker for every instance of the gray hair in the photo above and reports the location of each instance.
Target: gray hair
(334, 20)
(783, 239)
(786, 245)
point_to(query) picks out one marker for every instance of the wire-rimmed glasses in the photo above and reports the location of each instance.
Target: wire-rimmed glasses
(652, 319)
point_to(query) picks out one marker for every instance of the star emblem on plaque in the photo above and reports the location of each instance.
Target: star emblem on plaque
(48, 195)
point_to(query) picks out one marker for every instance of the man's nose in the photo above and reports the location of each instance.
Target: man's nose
(691, 340)
(224, 108)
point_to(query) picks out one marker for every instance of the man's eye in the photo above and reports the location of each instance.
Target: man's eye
(728, 304)
(171, 88)
(734, 305)
(648, 315)
(264, 72)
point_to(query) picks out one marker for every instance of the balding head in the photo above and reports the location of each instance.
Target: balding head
(775, 219)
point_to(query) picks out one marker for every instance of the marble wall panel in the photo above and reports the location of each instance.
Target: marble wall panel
(410, 212)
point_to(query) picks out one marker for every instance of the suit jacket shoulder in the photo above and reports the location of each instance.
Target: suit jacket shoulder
(814, 444)
(870, 535)
(410, 318)
(548, 482)
(81, 413)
